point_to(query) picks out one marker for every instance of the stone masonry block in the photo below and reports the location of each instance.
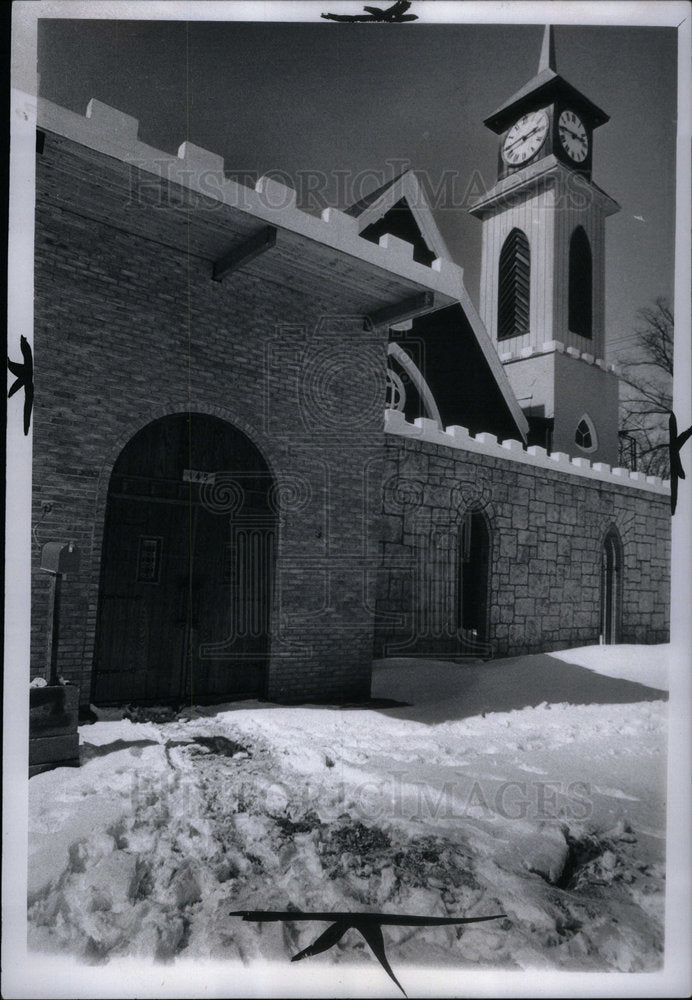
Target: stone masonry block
(275, 194)
(340, 220)
(396, 246)
(201, 159)
(113, 123)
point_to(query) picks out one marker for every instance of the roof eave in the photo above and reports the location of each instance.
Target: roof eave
(546, 85)
(547, 170)
(113, 133)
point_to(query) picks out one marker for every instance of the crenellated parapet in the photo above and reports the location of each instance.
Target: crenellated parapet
(116, 134)
(424, 429)
(550, 346)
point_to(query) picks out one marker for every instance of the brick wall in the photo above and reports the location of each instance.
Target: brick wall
(546, 535)
(129, 328)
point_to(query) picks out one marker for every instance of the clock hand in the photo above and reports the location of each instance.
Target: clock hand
(579, 138)
(522, 138)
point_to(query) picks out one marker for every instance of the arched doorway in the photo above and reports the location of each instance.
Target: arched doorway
(187, 565)
(474, 564)
(611, 587)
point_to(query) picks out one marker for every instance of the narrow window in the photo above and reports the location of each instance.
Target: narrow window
(580, 284)
(611, 587)
(515, 274)
(474, 569)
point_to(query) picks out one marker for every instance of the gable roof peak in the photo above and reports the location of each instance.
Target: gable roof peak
(405, 186)
(364, 203)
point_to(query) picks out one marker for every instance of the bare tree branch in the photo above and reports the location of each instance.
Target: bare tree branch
(647, 378)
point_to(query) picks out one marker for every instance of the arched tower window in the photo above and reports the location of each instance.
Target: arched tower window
(513, 296)
(585, 436)
(611, 586)
(580, 284)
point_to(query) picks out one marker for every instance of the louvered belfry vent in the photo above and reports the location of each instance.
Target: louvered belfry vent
(514, 296)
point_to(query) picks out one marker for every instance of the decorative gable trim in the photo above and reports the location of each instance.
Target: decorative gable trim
(394, 350)
(406, 187)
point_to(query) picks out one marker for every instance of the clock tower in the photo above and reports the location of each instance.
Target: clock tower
(542, 275)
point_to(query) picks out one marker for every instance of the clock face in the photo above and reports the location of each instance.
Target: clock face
(525, 138)
(573, 137)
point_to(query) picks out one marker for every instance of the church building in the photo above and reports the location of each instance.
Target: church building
(212, 368)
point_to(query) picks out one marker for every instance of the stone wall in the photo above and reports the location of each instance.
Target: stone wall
(547, 518)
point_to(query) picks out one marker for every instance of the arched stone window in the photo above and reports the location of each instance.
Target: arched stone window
(611, 586)
(585, 436)
(580, 309)
(514, 286)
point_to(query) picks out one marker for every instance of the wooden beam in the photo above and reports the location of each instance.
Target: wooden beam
(246, 251)
(400, 311)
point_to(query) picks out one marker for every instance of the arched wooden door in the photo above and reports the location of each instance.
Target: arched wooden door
(611, 587)
(187, 565)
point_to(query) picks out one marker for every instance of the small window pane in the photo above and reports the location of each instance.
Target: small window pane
(148, 559)
(583, 435)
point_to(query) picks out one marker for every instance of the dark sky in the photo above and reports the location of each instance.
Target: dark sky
(333, 106)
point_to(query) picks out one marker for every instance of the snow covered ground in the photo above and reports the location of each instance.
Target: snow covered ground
(532, 786)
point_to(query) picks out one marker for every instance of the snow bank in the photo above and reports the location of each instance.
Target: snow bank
(435, 691)
(533, 787)
(643, 664)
